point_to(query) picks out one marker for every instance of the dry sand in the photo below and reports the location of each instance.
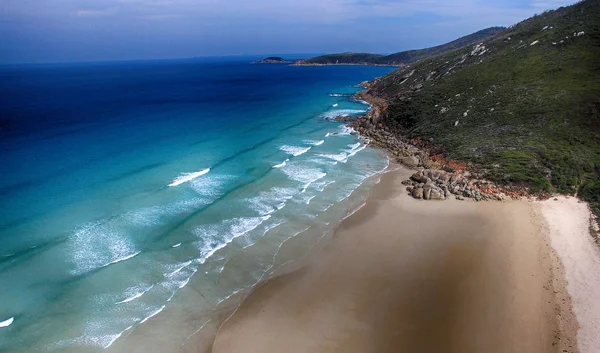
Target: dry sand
(403, 275)
(568, 222)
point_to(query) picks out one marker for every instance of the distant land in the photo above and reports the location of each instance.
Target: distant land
(404, 57)
(273, 60)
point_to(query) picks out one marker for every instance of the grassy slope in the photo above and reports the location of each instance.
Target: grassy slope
(344, 58)
(407, 57)
(404, 57)
(544, 129)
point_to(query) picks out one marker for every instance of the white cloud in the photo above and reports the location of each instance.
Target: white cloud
(96, 13)
(287, 11)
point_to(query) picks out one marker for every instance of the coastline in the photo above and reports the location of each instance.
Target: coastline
(425, 276)
(345, 64)
(520, 301)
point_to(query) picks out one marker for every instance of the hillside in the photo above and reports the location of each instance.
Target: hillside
(521, 108)
(405, 57)
(343, 58)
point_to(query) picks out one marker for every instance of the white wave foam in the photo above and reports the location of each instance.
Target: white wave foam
(124, 258)
(309, 199)
(356, 151)
(340, 157)
(335, 105)
(153, 314)
(176, 245)
(97, 245)
(328, 134)
(337, 95)
(181, 267)
(185, 177)
(94, 334)
(211, 185)
(346, 130)
(213, 238)
(294, 150)
(314, 143)
(8, 322)
(234, 293)
(113, 338)
(180, 277)
(156, 215)
(268, 202)
(137, 294)
(332, 114)
(282, 164)
(354, 146)
(303, 174)
(320, 186)
(266, 229)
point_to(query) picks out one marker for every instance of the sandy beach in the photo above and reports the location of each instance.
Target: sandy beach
(403, 275)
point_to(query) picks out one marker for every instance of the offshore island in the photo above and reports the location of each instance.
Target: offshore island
(482, 236)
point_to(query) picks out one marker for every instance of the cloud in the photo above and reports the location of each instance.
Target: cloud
(180, 28)
(306, 11)
(97, 13)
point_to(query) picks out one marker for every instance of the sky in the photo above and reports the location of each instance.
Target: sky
(99, 30)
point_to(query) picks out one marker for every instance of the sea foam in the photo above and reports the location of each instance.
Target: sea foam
(305, 175)
(7, 323)
(99, 244)
(138, 293)
(332, 114)
(314, 143)
(185, 177)
(216, 237)
(295, 150)
(282, 164)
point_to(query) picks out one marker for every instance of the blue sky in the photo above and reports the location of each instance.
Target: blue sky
(97, 30)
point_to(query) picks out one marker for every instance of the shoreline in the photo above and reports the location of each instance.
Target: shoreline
(316, 294)
(346, 64)
(559, 330)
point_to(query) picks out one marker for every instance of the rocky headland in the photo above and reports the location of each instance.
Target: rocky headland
(435, 177)
(273, 60)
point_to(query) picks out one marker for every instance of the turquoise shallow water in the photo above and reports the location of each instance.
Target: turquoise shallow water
(138, 198)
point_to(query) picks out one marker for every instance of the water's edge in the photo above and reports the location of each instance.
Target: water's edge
(202, 340)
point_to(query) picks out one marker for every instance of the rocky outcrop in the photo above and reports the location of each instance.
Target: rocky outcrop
(431, 184)
(409, 161)
(434, 180)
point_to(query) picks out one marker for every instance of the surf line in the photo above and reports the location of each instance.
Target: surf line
(185, 177)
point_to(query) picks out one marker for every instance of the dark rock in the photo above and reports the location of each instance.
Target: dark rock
(436, 194)
(411, 161)
(427, 191)
(419, 177)
(417, 193)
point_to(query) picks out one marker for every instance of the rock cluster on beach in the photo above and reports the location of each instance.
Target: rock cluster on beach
(431, 184)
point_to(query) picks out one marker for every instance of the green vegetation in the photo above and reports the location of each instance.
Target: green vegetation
(272, 60)
(344, 58)
(524, 108)
(404, 57)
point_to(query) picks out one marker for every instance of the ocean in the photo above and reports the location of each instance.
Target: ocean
(141, 200)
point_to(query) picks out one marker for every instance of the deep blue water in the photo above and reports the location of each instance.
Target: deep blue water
(128, 189)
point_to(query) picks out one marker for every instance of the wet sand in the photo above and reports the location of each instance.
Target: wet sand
(403, 275)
